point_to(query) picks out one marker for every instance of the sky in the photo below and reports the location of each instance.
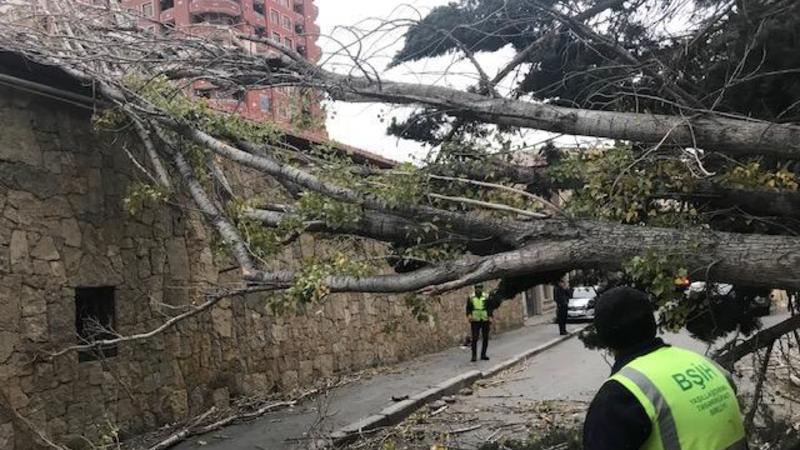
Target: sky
(364, 125)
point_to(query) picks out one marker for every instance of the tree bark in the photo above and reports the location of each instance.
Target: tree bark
(755, 260)
(762, 339)
(706, 131)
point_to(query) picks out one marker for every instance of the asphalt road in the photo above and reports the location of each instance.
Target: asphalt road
(571, 372)
(554, 387)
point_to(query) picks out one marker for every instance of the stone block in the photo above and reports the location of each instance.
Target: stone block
(33, 301)
(35, 328)
(52, 161)
(8, 341)
(178, 259)
(289, 379)
(221, 398)
(222, 319)
(18, 143)
(19, 252)
(57, 427)
(9, 310)
(6, 435)
(71, 232)
(176, 404)
(16, 398)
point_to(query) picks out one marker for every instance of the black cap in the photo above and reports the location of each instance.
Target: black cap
(624, 318)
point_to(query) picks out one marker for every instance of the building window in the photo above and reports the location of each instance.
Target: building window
(265, 103)
(285, 3)
(289, 43)
(258, 7)
(276, 37)
(95, 319)
(274, 17)
(287, 23)
(147, 10)
(167, 4)
(213, 19)
(260, 31)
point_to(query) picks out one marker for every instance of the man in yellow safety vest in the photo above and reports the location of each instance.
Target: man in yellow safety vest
(479, 315)
(658, 397)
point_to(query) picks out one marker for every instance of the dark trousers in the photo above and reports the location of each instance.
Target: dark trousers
(480, 328)
(561, 318)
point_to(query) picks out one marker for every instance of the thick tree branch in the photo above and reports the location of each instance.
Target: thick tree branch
(756, 260)
(763, 338)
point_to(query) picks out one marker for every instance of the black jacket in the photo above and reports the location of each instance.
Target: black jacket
(562, 296)
(616, 420)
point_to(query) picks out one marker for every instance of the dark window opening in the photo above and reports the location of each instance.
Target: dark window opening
(299, 28)
(299, 9)
(259, 7)
(265, 103)
(95, 320)
(261, 31)
(167, 4)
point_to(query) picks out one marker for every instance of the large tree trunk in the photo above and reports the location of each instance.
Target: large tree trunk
(726, 135)
(756, 260)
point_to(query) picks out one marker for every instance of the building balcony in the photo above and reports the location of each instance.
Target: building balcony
(168, 15)
(227, 7)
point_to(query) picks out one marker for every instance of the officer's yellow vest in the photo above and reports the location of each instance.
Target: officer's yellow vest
(479, 313)
(689, 400)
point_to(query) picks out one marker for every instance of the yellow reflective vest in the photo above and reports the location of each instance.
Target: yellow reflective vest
(689, 399)
(479, 313)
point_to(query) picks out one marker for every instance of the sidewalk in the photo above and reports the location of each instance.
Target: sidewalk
(368, 402)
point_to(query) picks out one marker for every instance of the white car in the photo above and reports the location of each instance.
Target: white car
(581, 305)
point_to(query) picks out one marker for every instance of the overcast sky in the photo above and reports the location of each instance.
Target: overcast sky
(361, 125)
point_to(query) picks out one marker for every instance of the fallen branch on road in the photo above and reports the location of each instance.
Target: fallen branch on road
(181, 435)
(467, 429)
(194, 428)
(760, 340)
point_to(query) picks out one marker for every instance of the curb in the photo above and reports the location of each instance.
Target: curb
(395, 413)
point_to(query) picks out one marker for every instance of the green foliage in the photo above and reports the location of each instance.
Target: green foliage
(752, 175)
(433, 253)
(335, 214)
(656, 273)
(196, 111)
(621, 185)
(420, 307)
(303, 116)
(404, 186)
(141, 195)
(309, 286)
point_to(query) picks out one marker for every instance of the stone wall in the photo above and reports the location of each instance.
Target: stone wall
(63, 226)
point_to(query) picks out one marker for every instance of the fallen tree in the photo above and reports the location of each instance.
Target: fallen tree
(653, 193)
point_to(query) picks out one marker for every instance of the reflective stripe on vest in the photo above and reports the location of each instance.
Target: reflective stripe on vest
(479, 313)
(689, 400)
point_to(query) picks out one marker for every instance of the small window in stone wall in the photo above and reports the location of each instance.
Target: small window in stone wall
(95, 320)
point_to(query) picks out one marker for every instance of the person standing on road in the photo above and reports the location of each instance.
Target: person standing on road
(562, 295)
(479, 316)
(658, 397)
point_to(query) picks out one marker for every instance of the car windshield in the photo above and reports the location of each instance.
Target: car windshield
(583, 292)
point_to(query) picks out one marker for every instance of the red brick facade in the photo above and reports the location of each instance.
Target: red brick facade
(288, 22)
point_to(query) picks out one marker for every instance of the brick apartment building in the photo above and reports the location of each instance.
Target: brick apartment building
(290, 23)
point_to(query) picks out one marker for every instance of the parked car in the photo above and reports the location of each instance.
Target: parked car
(757, 300)
(581, 304)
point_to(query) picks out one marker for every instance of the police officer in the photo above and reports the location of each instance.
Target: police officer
(658, 397)
(562, 294)
(479, 316)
